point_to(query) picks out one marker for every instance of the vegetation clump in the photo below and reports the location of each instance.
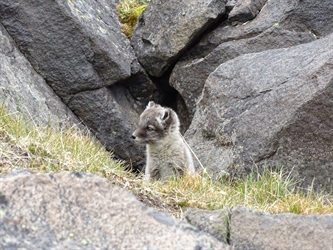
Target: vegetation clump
(128, 12)
(25, 145)
(47, 149)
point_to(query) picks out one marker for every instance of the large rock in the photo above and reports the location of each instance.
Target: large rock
(278, 113)
(23, 90)
(189, 75)
(243, 228)
(280, 24)
(311, 16)
(77, 47)
(167, 28)
(293, 15)
(81, 211)
(255, 230)
(245, 10)
(115, 123)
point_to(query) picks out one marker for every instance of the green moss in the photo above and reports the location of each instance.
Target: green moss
(128, 12)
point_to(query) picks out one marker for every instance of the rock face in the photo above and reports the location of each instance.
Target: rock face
(246, 10)
(249, 229)
(167, 28)
(80, 211)
(277, 114)
(255, 230)
(214, 222)
(55, 38)
(279, 24)
(77, 47)
(23, 90)
(189, 75)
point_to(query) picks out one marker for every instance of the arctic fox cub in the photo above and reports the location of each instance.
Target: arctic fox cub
(167, 154)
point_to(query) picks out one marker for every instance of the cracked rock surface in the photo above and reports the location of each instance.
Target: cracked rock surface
(275, 113)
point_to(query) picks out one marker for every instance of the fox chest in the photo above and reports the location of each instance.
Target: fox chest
(166, 157)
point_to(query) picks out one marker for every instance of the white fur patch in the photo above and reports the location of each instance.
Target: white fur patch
(150, 104)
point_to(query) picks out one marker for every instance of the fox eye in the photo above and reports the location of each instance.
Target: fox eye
(150, 128)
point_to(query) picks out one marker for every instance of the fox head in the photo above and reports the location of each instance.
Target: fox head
(156, 123)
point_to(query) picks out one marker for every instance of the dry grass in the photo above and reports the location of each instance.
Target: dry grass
(46, 149)
(273, 192)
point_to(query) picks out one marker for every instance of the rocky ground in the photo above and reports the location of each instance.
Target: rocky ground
(250, 80)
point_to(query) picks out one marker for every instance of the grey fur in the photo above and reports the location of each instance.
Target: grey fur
(167, 154)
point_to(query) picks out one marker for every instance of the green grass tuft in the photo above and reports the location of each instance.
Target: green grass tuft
(128, 12)
(50, 149)
(271, 191)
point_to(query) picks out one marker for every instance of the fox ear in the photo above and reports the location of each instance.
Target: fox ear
(150, 104)
(165, 114)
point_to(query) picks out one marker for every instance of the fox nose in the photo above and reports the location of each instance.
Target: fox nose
(133, 137)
